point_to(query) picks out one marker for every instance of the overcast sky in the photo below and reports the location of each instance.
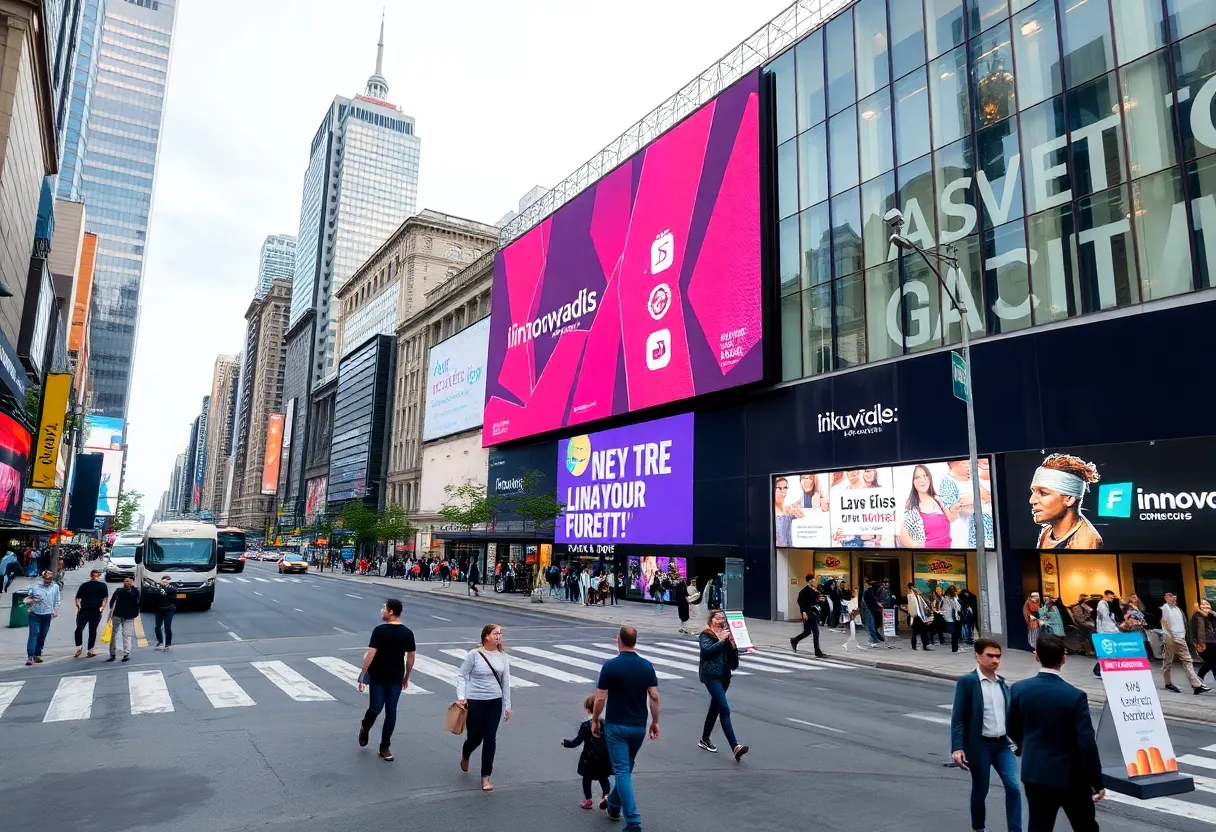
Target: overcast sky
(506, 96)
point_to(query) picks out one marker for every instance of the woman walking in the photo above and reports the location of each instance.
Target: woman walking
(483, 688)
(952, 612)
(719, 657)
(1203, 630)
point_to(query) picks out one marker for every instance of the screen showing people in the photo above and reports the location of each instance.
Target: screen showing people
(923, 506)
(644, 569)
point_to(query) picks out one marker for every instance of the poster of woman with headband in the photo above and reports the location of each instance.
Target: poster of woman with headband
(1056, 493)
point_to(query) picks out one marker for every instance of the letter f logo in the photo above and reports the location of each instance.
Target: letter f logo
(1115, 499)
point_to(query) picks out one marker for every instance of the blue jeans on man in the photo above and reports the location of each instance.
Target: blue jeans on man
(381, 697)
(624, 742)
(874, 625)
(40, 625)
(997, 754)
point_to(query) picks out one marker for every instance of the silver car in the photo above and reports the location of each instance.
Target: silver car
(121, 562)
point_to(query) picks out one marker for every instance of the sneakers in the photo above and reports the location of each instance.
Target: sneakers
(90, 654)
(740, 750)
(126, 657)
(820, 655)
(386, 755)
(37, 659)
(1173, 688)
(1202, 689)
(707, 745)
(614, 814)
(112, 658)
(586, 804)
(29, 662)
(158, 646)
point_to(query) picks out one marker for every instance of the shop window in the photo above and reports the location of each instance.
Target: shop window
(791, 337)
(1195, 74)
(949, 99)
(943, 25)
(877, 198)
(1095, 127)
(992, 81)
(870, 29)
(846, 233)
(782, 70)
(954, 173)
(983, 14)
(1189, 16)
(812, 167)
(812, 100)
(1150, 129)
(787, 233)
(787, 179)
(1108, 273)
(911, 116)
(874, 134)
(1139, 28)
(999, 174)
(815, 226)
(1159, 218)
(817, 330)
(1201, 186)
(1088, 51)
(1036, 48)
(1053, 264)
(907, 37)
(842, 148)
(839, 47)
(850, 319)
(884, 312)
(1007, 278)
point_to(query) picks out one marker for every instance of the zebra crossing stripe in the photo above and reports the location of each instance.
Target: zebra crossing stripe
(582, 664)
(262, 580)
(649, 653)
(460, 654)
(73, 699)
(243, 580)
(222, 579)
(533, 667)
(436, 670)
(291, 682)
(762, 662)
(1196, 760)
(220, 688)
(149, 693)
(934, 718)
(8, 692)
(651, 657)
(1167, 805)
(600, 654)
(348, 673)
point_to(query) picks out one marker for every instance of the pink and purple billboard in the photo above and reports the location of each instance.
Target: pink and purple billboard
(642, 290)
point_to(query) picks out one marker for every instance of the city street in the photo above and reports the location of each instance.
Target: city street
(251, 721)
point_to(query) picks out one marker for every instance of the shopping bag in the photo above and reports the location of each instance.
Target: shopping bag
(455, 719)
(107, 633)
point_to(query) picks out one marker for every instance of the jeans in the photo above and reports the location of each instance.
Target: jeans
(482, 727)
(124, 627)
(624, 742)
(720, 709)
(40, 625)
(874, 626)
(381, 697)
(997, 755)
(164, 617)
(92, 619)
(968, 632)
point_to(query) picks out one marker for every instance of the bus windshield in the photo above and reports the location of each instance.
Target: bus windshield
(179, 554)
(232, 541)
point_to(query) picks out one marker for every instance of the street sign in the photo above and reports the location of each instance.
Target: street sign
(958, 372)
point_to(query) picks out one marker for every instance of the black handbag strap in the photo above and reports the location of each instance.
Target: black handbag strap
(486, 659)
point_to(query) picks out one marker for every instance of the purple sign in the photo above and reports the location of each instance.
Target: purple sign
(628, 485)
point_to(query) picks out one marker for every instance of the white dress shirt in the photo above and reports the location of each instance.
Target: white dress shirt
(994, 705)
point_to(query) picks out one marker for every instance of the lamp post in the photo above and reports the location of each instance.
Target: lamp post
(895, 220)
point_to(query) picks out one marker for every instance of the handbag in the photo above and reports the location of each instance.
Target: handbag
(455, 718)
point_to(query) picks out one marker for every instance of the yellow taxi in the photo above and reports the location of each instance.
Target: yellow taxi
(292, 562)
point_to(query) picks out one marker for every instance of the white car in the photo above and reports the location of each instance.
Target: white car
(121, 562)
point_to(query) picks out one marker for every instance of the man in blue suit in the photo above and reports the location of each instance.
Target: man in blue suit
(978, 736)
(1049, 720)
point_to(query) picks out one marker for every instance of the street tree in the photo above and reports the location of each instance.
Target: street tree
(124, 513)
(468, 504)
(542, 508)
(392, 526)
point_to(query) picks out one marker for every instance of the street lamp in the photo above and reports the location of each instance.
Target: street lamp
(895, 221)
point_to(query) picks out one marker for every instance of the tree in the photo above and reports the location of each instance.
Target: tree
(394, 525)
(33, 403)
(360, 521)
(128, 504)
(469, 504)
(541, 508)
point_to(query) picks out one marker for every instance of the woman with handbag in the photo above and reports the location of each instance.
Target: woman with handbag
(483, 689)
(719, 658)
(1203, 630)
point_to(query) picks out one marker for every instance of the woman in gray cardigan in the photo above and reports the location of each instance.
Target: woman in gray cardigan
(719, 657)
(483, 688)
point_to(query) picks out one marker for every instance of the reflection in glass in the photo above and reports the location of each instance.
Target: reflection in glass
(846, 233)
(1000, 172)
(992, 83)
(850, 321)
(1104, 251)
(955, 172)
(1053, 264)
(841, 90)
(874, 134)
(1201, 185)
(1161, 235)
(787, 179)
(922, 299)
(948, 97)
(791, 337)
(915, 195)
(1139, 28)
(943, 25)
(1095, 126)
(842, 147)
(808, 56)
(1195, 68)
(1036, 47)
(783, 70)
(816, 245)
(789, 264)
(870, 24)
(877, 198)
(1045, 155)
(907, 37)
(983, 14)
(911, 116)
(1150, 133)
(884, 321)
(817, 330)
(1189, 16)
(1088, 52)
(812, 167)
(1007, 278)
(966, 282)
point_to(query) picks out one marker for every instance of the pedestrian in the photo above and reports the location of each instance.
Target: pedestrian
(445, 574)
(627, 687)
(1050, 619)
(584, 585)
(719, 658)
(10, 567)
(952, 612)
(656, 591)
(124, 610)
(1107, 617)
(593, 762)
(91, 599)
(808, 606)
(483, 688)
(979, 738)
(1030, 615)
(967, 600)
(603, 589)
(164, 595)
(612, 582)
(1049, 721)
(43, 601)
(919, 617)
(715, 595)
(679, 594)
(474, 579)
(1203, 629)
(1173, 631)
(385, 673)
(873, 610)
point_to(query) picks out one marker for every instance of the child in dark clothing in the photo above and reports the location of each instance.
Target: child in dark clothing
(593, 762)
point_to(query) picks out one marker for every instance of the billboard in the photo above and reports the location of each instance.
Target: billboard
(86, 474)
(50, 429)
(314, 501)
(922, 506)
(456, 383)
(627, 485)
(1145, 496)
(642, 290)
(15, 444)
(40, 507)
(274, 452)
(102, 433)
(111, 478)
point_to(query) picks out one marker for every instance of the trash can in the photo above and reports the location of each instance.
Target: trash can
(20, 614)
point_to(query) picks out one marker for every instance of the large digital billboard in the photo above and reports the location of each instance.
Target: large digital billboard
(456, 383)
(15, 443)
(111, 478)
(103, 433)
(642, 290)
(627, 485)
(40, 507)
(274, 453)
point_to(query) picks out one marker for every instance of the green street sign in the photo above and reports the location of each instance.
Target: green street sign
(958, 373)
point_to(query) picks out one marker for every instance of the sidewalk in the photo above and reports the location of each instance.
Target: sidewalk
(774, 636)
(60, 641)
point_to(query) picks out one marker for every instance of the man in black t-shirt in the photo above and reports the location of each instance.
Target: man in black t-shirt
(90, 602)
(387, 665)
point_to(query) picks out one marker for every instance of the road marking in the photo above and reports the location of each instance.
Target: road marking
(222, 580)
(8, 692)
(149, 693)
(73, 699)
(656, 656)
(441, 618)
(297, 609)
(1167, 805)
(348, 595)
(348, 672)
(573, 662)
(260, 595)
(263, 580)
(140, 639)
(765, 659)
(1211, 748)
(761, 663)
(946, 707)
(436, 670)
(343, 632)
(1203, 784)
(291, 682)
(1195, 760)
(280, 580)
(939, 720)
(242, 580)
(816, 725)
(692, 668)
(531, 667)
(460, 653)
(220, 688)
(276, 600)
(235, 636)
(295, 580)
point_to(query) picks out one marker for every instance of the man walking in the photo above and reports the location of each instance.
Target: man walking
(626, 688)
(979, 736)
(43, 600)
(124, 609)
(1106, 619)
(90, 604)
(1173, 625)
(919, 616)
(10, 567)
(387, 665)
(165, 596)
(474, 579)
(874, 622)
(1049, 720)
(808, 605)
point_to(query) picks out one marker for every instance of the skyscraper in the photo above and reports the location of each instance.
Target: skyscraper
(118, 176)
(219, 431)
(84, 74)
(277, 259)
(360, 185)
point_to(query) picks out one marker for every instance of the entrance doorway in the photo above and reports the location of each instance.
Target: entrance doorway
(1151, 581)
(881, 569)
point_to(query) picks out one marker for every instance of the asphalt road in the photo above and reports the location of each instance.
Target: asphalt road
(261, 732)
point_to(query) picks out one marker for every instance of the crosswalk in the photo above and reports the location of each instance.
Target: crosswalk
(146, 692)
(224, 579)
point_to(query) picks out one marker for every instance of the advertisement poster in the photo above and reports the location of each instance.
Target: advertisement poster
(738, 626)
(888, 622)
(1131, 695)
(111, 477)
(15, 444)
(1148, 496)
(274, 451)
(1049, 575)
(102, 433)
(314, 499)
(654, 268)
(809, 510)
(50, 429)
(933, 569)
(832, 565)
(456, 383)
(40, 507)
(628, 485)
(1207, 578)
(863, 508)
(642, 570)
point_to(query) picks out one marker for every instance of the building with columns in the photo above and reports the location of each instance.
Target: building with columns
(219, 431)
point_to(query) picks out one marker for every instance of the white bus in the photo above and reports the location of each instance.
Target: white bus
(186, 551)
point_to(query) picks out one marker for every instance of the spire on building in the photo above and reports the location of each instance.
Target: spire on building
(377, 86)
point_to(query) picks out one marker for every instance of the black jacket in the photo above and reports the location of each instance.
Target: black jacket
(1049, 721)
(594, 761)
(718, 658)
(124, 603)
(808, 601)
(164, 596)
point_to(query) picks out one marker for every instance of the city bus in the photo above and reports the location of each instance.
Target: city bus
(188, 552)
(232, 540)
